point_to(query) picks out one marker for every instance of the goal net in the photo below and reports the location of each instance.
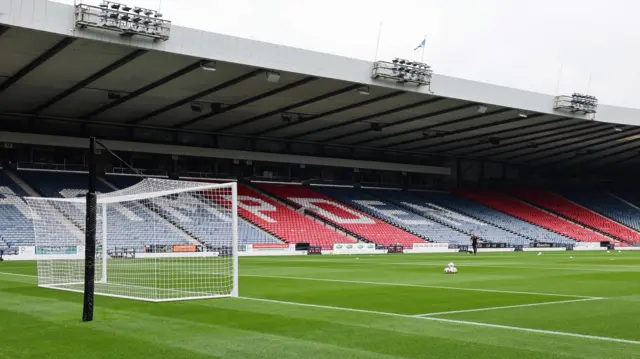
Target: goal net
(158, 240)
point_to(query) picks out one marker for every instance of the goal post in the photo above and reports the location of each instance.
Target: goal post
(158, 240)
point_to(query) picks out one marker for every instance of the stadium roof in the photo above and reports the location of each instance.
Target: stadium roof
(50, 71)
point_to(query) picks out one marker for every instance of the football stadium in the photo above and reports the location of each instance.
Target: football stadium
(167, 192)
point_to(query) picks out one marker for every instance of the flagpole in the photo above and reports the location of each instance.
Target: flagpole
(425, 45)
(375, 57)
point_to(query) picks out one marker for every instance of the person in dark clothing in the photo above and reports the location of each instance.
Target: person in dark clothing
(474, 243)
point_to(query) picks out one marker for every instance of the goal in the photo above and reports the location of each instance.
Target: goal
(158, 240)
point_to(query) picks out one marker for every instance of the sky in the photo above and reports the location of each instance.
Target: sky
(547, 46)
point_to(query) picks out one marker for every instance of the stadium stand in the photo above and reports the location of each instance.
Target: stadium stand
(247, 233)
(356, 222)
(524, 230)
(607, 205)
(15, 215)
(284, 222)
(69, 185)
(436, 206)
(405, 218)
(527, 213)
(563, 207)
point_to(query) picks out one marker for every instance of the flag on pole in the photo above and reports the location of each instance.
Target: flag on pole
(422, 44)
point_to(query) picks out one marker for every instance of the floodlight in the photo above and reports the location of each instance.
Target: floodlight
(273, 76)
(208, 65)
(522, 114)
(157, 14)
(125, 17)
(617, 129)
(126, 8)
(115, 6)
(364, 90)
(137, 10)
(482, 108)
(104, 6)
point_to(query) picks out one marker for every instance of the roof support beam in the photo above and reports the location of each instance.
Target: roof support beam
(245, 102)
(372, 116)
(616, 143)
(143, 90)
(592, 135)
(198, 95)
(432, 126)
(51, 52)
(473, 128)
(571, 126)
(407, 120)
(290, 107)
(210, 133)
(528, 143)
(329, 113)
(94, 77)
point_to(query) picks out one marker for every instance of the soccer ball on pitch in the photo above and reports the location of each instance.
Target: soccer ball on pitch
(450, 269)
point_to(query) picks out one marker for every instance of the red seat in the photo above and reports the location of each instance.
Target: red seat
(576, 213)
(342, 215)
(518, 209)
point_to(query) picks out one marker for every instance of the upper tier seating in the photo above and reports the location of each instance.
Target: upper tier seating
(16, 227)
(607, 205)
(378, 206)
(576, 213)
(435, 205)
(207, 231)
(343, 216)
(524, 231)
(533, 215)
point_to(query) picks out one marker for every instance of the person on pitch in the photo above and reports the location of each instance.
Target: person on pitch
(474, 243)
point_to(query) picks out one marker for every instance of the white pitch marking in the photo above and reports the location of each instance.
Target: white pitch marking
(479, 324)
(508, 307)
(18, 275)
(421, 286)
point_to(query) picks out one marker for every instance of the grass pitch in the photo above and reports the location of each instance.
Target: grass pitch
(512, 305)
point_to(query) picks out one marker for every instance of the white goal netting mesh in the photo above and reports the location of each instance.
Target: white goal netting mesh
(158, 240)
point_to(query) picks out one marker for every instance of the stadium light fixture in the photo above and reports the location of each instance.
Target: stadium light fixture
(403, 71)
(128, 21)
(208, 65)
(273, 76)
(522, 114)
(577, 103)
(364, 90)
(617, 129)
(482, 108)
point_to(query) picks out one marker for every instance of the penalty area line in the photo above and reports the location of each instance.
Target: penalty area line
(422, 286)
(450, 321)
(508, 307)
